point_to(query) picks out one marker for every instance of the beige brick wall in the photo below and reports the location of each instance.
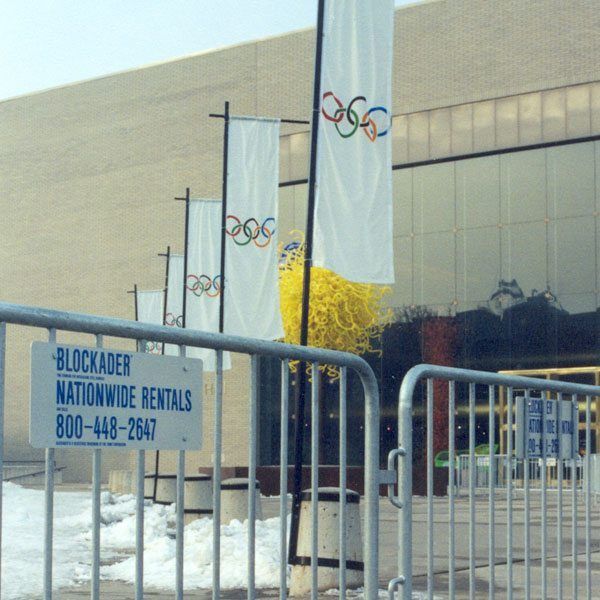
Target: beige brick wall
(88, 171)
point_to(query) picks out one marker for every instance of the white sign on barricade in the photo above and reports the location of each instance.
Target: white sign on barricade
(546, 427)
(97, 397)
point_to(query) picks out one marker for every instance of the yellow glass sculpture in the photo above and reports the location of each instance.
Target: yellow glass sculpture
(343, 315)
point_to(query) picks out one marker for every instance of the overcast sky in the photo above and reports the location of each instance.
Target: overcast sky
(46, 43)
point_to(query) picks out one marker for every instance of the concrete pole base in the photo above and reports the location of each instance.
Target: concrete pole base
(198, 497)
(328, 542)
(166, 489)
(234, 500)
(120, 481)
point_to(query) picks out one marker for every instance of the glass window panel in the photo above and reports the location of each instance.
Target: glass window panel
(524, 255)
(597, 174)
(554, 116)
(595, 107)
(418, 136)
(571, 182)
(462, 129)
(523, 186)
(478, 264)
(286, 213)
(571, 256)
(507, 130)
(403, 201)
(284, 158)
(402, 290)
(530, 118)
(478, 192)
(299, 145)
(439, 132)
(484, 126)
(433, 187)
(578, 303)
(300, 203)
(578, 111)
(400, 140)
(435, 268)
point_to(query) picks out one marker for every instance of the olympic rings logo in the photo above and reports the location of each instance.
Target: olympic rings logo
(375, 121)
(153, 348)
(173, 321)
(203, 284)
(251, 231)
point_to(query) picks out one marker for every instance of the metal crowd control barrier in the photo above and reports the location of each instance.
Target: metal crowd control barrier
(532, 572)
(517, 465)
(99, 326)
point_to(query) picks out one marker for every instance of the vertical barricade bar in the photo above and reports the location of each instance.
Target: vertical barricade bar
(544, 422)
(343, 482)
(283, 474)
(2, 374)
(218, 410)
(253, 421)
(314, 481)
(451, 484)
(574, 542)
(491, 490)
(509, 490)
(405, 487)
(179, 529)
(371, 510)
(472, 514)
(588, 493)
(180, 506)
(430, 489)
(139, 514)
(559, 506)
(544, 426)
(527, 528)
(96, 483)
(49, 507)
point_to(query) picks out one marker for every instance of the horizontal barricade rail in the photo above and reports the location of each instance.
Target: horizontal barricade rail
(441, 387)
(55, 321)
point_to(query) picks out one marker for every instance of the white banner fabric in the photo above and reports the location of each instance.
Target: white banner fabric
(251, 266)
(150, 307)
(353, 233)
(174, 312)
(203, 279)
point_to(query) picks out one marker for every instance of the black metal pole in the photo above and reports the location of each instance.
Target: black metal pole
(185, 252)
(224, 218)
(300, 394)
(157, 455)
(135, 300)
(167, 256)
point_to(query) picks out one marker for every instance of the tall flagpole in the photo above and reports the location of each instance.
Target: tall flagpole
(300, 395)
(157, 455)
(224, 217)
(185, 199)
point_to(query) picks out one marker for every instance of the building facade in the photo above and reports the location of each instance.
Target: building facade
(496, 151)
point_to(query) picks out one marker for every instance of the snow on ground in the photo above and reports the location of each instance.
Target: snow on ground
(159, 555)
(23, 539)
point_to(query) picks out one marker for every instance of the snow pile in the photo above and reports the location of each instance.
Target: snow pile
(159, 555)
(23, 540)
(23, 544)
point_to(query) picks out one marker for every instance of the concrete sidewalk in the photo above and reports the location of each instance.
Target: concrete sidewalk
(389, 543)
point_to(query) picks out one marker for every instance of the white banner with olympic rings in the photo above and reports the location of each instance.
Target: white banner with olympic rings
(150, 305)
(251, 262)
(203, 277)
(174, 311)
(353, 233)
